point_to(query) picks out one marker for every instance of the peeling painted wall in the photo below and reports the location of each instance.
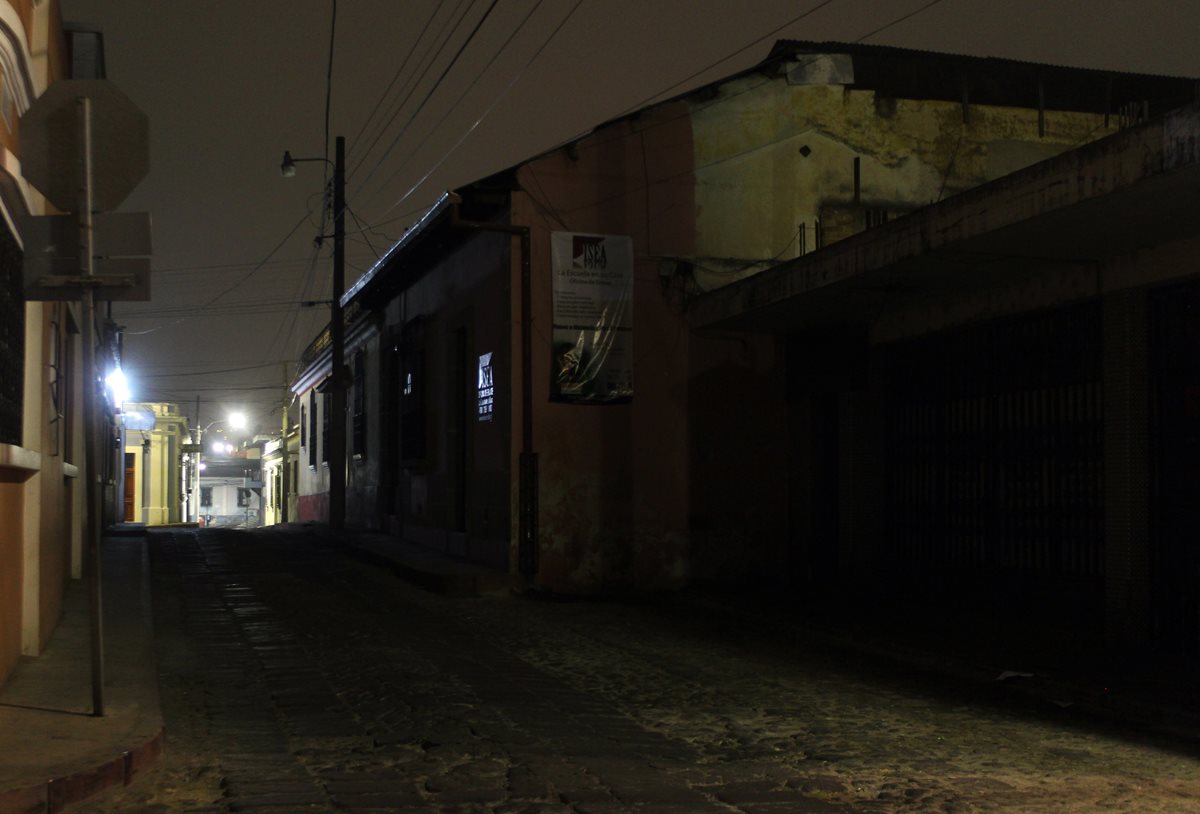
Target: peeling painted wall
(771, 156)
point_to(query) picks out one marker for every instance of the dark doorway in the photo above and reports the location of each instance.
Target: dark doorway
(1175, 470)
(389, 419)
(130, 482)
(457, 429)
(994, 445)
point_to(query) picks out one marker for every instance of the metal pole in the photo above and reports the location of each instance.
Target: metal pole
(337, 422)
(283, 454)
(196, 467)
(90, 418)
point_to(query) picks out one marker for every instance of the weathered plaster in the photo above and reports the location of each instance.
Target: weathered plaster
(769, 156)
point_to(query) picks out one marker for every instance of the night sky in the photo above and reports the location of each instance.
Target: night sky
(229, 85)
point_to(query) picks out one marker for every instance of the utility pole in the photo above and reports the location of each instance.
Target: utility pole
(196, 465)
(337, 330)
(283, 453)
(337, 333)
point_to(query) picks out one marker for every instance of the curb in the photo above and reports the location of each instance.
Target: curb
(59, 792)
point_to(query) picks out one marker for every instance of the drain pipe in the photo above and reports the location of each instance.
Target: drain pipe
(527, 490)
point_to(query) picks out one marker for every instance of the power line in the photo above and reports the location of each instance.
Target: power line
(206, 372)
(516, 77)
(395, 76)
(432, 90)
(454, 105)
(226, 266)
(329, 81)
(429, 59)
(899, 20)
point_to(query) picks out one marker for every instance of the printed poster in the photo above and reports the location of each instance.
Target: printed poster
(593, 318)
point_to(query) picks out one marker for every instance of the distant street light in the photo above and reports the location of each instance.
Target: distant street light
(236, 420)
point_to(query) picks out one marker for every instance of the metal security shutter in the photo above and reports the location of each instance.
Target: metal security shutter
(994, 456)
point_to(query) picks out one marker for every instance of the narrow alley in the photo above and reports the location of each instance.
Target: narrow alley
(295, 678)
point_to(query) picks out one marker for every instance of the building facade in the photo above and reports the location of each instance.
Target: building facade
(41, 380)
(529, 386)
(988, 405)
(152, 485)
(279, 478)
(231, 489)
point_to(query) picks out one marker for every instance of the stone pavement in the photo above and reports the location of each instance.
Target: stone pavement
(297, 679)
(294, 678)
(54, 753)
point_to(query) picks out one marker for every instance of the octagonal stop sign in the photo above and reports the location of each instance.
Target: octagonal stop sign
(50, 143)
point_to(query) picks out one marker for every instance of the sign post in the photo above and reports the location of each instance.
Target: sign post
(61, 131)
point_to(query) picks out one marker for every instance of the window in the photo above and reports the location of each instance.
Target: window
(326, 409)
(206, 495)
(412, 406)
(359, 439)
(243, 497)
(12, 340)
(303, 427)
(312, 428)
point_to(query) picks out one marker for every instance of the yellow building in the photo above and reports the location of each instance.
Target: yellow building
(152, 490)
(279, 482)
(825, 140)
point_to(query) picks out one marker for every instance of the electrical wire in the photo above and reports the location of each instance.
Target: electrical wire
(495, 101)
(428, 59)
(205, 372)
(764, 81)
(899, 20)
(395, 76)
(432, 90)
(329, 82)
(453, 106)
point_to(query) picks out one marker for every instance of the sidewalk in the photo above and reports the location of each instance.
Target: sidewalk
(54, 752)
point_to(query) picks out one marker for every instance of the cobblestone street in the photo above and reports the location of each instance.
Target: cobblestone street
(295, 678)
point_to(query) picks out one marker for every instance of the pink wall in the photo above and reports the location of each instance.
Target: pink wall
(10, 573)
(613, 478)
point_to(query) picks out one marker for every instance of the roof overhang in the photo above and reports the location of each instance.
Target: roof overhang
(1135, 189)
(414, 234)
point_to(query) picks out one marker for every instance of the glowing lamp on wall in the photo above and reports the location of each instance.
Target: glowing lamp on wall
(118, 386)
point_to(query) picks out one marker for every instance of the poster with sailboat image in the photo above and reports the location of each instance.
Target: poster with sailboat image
(592, 341)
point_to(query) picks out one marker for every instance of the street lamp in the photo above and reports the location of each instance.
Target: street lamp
(337, 338)
(236, 420)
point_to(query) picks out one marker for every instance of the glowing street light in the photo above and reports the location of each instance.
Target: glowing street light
(118, 386)
(236, 420)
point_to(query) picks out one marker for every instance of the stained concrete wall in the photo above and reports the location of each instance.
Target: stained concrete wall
(771, 156)
(613, 498)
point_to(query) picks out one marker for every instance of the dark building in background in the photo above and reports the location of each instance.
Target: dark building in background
(871, 329)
